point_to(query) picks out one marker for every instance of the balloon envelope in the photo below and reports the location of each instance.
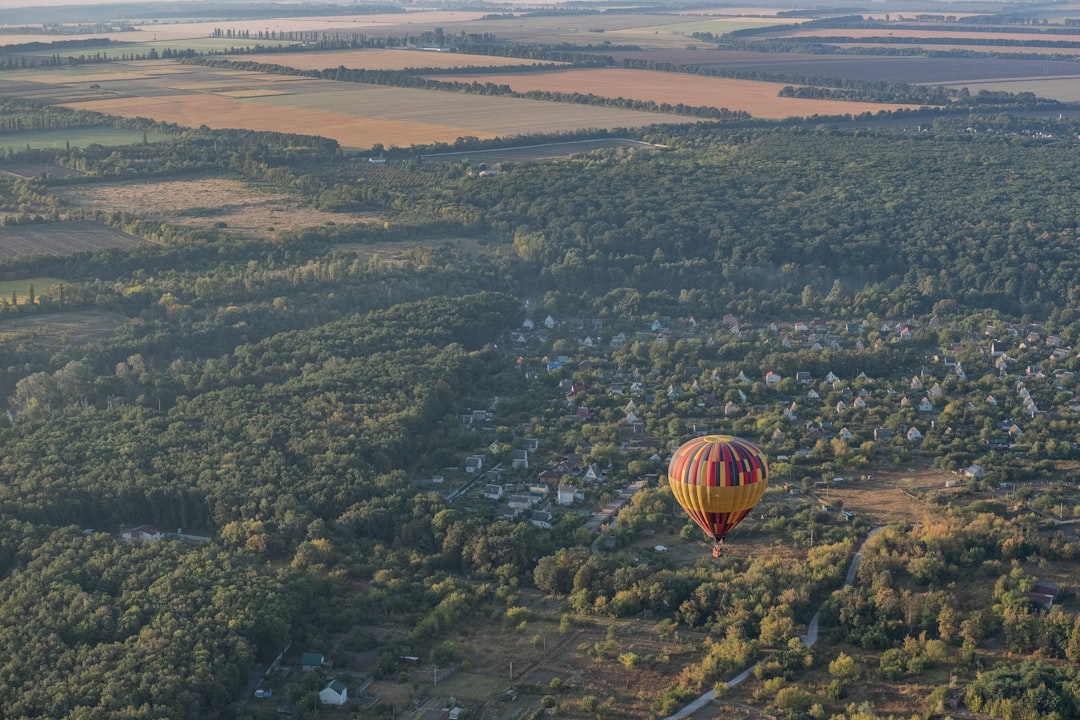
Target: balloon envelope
(718, 479)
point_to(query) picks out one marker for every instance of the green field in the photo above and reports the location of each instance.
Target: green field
(21, 288)
(716, 26)
(76, 137)
(117, 50)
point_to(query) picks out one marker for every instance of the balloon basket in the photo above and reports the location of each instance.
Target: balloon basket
(717, 551)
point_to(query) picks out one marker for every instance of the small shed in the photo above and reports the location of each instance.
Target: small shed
(311, 661)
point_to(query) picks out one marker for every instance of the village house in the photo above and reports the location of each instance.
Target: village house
(335, 693)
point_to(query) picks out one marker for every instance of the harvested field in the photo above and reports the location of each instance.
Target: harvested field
(760, 99)
(60, 239)
(56, 331)
(207, 203)
(221, 112)
(374, 59)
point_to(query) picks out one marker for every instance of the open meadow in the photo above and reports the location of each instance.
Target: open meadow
(205, 203)
(77, 137)
(19, 290)
(59, 330)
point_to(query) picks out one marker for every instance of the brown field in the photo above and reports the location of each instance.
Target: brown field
(390, 60)
(757, 98)
(205, 203)
(56, 331)
(60, 239)
(220, 112)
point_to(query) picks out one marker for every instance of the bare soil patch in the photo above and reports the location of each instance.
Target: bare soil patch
(207, 203)
(60, 239)
(760, 99)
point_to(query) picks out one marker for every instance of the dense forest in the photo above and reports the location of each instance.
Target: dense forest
(289, 402)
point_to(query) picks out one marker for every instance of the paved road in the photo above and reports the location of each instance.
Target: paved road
(809, 639)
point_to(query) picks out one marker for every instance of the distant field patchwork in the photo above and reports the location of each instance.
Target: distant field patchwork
(356, 115)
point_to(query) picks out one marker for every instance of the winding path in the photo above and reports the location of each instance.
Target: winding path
(809, 639)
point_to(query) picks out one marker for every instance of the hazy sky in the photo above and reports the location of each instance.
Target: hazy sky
(8, 4)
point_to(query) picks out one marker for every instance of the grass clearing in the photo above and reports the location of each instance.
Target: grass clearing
(19, 290)
(60, 330)
(77, 137)
(206, 203)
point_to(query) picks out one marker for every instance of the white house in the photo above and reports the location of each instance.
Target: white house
(336, 693)
(565, 495)
(474, 464)
(913, 434)
(520, 459)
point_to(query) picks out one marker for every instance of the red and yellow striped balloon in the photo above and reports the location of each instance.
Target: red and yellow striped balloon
(718, 479)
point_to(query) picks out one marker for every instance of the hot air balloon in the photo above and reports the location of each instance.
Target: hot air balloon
(718, 479)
